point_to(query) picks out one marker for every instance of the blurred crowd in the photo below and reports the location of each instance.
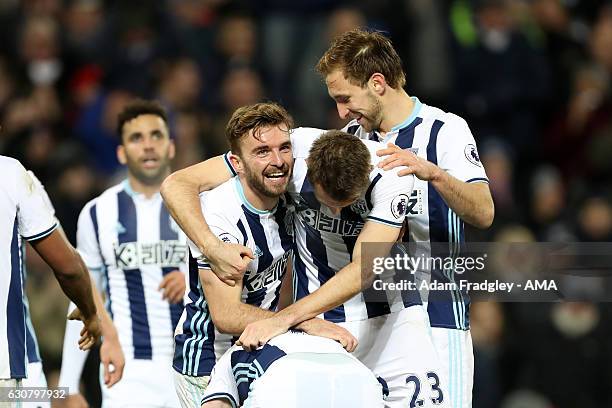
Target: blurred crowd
(533, 79)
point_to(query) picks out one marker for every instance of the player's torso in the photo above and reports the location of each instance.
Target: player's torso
(269, 236)
(139, 243)
(429, 219)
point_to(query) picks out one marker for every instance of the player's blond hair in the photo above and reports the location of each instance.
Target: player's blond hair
(359, 54)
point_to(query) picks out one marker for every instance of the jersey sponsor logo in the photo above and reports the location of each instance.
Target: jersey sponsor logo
(472, 155)
(325, 223)
(258, 280)
(415, 203)
(133, 255)
(360, 207)
(399, 206)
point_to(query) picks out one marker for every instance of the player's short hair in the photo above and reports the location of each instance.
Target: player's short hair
(253, 118)
(359, 54)
(137, 108)
(340, 163)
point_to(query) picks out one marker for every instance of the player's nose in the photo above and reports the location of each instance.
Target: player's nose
(343, 111)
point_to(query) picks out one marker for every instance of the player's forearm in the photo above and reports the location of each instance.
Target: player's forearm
(232, 320)
(181, 196)
(345, 284)
(76, 284)
(472, 202)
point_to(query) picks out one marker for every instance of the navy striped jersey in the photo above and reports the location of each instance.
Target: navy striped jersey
(325, 241)
(237, 370)
(233, 219)
(24, 214)
(446, 140)
(129, 242)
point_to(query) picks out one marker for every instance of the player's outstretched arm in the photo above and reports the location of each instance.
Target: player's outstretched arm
(73, 278)
(345, 284)
(180, 192)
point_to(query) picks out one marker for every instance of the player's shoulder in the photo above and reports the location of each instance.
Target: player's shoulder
(11, 168)
(302, 139)
(450, 120)
(10, 164)
(223, 201)
(107, 196)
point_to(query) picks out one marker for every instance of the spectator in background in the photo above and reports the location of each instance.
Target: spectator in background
(500, 79)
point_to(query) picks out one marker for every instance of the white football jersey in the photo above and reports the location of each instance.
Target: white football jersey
(233, 219)
(444, 139)
(129, 242)
(24, 214)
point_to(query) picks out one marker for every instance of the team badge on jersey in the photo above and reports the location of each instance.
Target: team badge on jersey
(399, 206)
(472, 155)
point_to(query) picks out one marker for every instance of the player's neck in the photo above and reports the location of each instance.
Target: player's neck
(148, 190)
(257, 200)
(397, 106)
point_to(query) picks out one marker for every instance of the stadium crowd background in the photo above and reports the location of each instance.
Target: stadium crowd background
(531, 77)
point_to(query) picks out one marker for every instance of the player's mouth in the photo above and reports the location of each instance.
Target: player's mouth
(277, 177)
(150, 162)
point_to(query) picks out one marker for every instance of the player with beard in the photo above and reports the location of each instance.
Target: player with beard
(249, 210)
(364, 76)
(135, 252)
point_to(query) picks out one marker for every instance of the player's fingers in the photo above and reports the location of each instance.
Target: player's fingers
(385, 152)
(246, 251)
(106, 372)
(407, 171)
(116, 373)
(390, 162)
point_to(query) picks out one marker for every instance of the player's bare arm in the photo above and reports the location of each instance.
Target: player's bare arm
(180, 192)
(472, 202)
(73, 277)
(345, 284)
(230, 315)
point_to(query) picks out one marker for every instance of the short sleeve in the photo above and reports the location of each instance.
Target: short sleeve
(222, 384)
(388, 196)
(35, 213)
(220, 226)
(457, 152)
(87, 237)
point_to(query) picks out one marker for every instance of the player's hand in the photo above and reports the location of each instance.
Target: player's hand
(75, 401)
(323, 328)
(258, 333)
(229, 261)
(173, 286)
(113, 360)
(90, 334)
(396, 156)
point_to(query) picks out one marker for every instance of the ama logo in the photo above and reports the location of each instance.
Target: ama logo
(399, 206)
(472, 155)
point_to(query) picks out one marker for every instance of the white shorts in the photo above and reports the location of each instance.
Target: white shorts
(145, 383)
(36, 378)
(190, 390)
(457, 358)
(306, 380)
(399, 349)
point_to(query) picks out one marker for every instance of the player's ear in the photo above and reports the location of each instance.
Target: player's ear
(377, 83)
(236, 162)
(121, 154)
